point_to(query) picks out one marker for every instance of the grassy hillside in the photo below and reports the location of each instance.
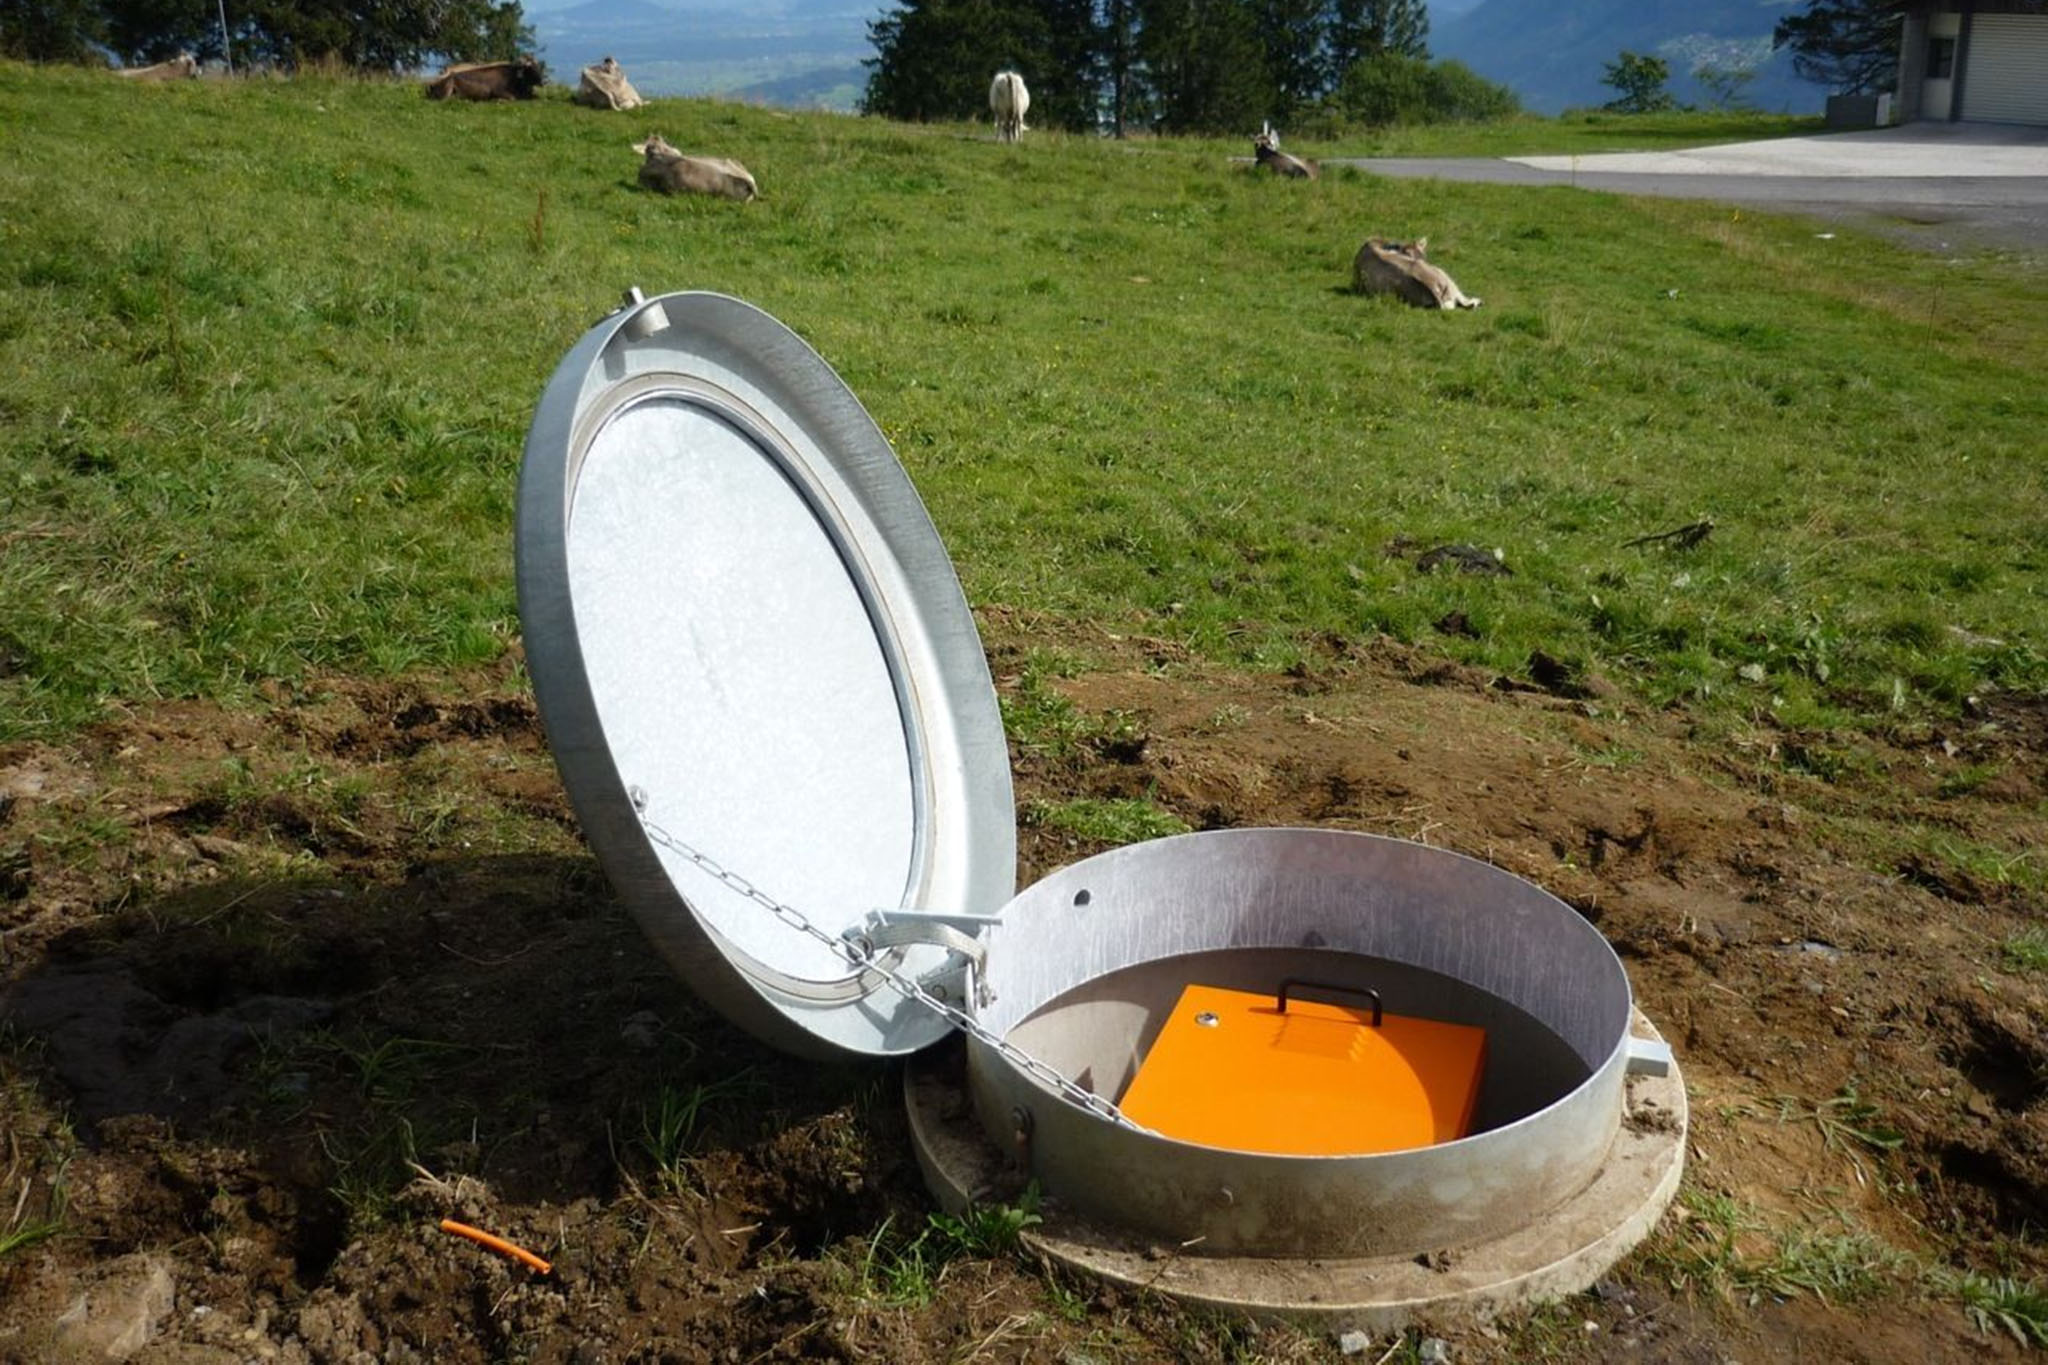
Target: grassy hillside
(269, 351)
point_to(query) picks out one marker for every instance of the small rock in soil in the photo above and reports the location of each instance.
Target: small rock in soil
(642, 1031)
(119, 1314)
(1434, 1351)
(1354, 1343)
(219, 849)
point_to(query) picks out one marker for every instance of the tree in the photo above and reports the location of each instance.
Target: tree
(1066, 81)
(1392, 89)
(1291, 36)
(1850, 46)
(1121, 86)
(152, 30)
(51, 30)
(369, 35)
(1220, 66)
(387, 35)
(1640, 79)
(934, 58)
(1359, 29)
(1724, 84)
(1205, 69)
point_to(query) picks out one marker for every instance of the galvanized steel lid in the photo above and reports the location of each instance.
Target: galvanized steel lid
(739, 618)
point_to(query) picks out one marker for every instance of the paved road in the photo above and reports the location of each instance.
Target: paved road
(1938, 186)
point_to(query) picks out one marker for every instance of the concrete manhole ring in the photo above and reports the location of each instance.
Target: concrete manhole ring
(1563, 1251)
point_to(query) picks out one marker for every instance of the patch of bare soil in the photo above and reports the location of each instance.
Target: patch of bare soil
(281, 989)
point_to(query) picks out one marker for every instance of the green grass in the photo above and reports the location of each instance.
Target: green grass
(1586, 132)
(671, 1122)
(1114, 822)
(268, 351)
(2002, 1304)
(1725, 1248)
(2027, 951)
(1847, 1122)
(1990, 865)
(373, 1147)
(21, 1235)
(385, 1072)
(1966, 780)
(905, 1270)
(35, 1166)
(988, 1230)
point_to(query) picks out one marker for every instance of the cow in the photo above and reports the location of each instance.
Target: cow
(1008, 100)
(183, 67)
(514, 80)
(605, 86)
(669, 171)
(1399, 268)
(1266, 151)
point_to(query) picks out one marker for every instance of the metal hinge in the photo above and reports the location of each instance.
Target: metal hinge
(966, 964)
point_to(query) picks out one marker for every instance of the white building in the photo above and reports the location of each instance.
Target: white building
(1977, 61)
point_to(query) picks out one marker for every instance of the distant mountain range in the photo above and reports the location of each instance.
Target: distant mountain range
(1552, 55)
(802, 54)
(808, 53)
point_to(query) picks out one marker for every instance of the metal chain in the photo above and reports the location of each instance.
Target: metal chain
(860, 956)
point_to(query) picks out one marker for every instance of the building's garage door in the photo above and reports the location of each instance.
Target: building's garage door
(2007, 81)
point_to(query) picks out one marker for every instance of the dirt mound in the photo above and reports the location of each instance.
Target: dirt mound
(282, 988)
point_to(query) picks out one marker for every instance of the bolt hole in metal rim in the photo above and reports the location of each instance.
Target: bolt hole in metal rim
(741, 625)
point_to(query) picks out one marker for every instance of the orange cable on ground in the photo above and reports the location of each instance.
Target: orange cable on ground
(497, 1244)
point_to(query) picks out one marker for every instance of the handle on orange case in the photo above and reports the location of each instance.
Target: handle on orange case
(1296, 983)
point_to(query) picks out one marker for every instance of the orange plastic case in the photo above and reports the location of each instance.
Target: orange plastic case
(1263, 1073)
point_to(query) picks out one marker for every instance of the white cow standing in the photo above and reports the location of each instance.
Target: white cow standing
(1008, 100)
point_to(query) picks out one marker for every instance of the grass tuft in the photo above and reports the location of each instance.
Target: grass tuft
(1111, 822)
(2027, 951)
(23, 1230)
(905, 1271)
(2019, 1308)
(1847, 1123)
(1722, 1247)
(988, 1230)
(671, 1123)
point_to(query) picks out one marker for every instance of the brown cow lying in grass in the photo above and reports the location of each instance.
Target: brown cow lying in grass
(605, 86)
(669, 171)
(182, 67)
(1398, 268)
(1266, 151)
(519, 80)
